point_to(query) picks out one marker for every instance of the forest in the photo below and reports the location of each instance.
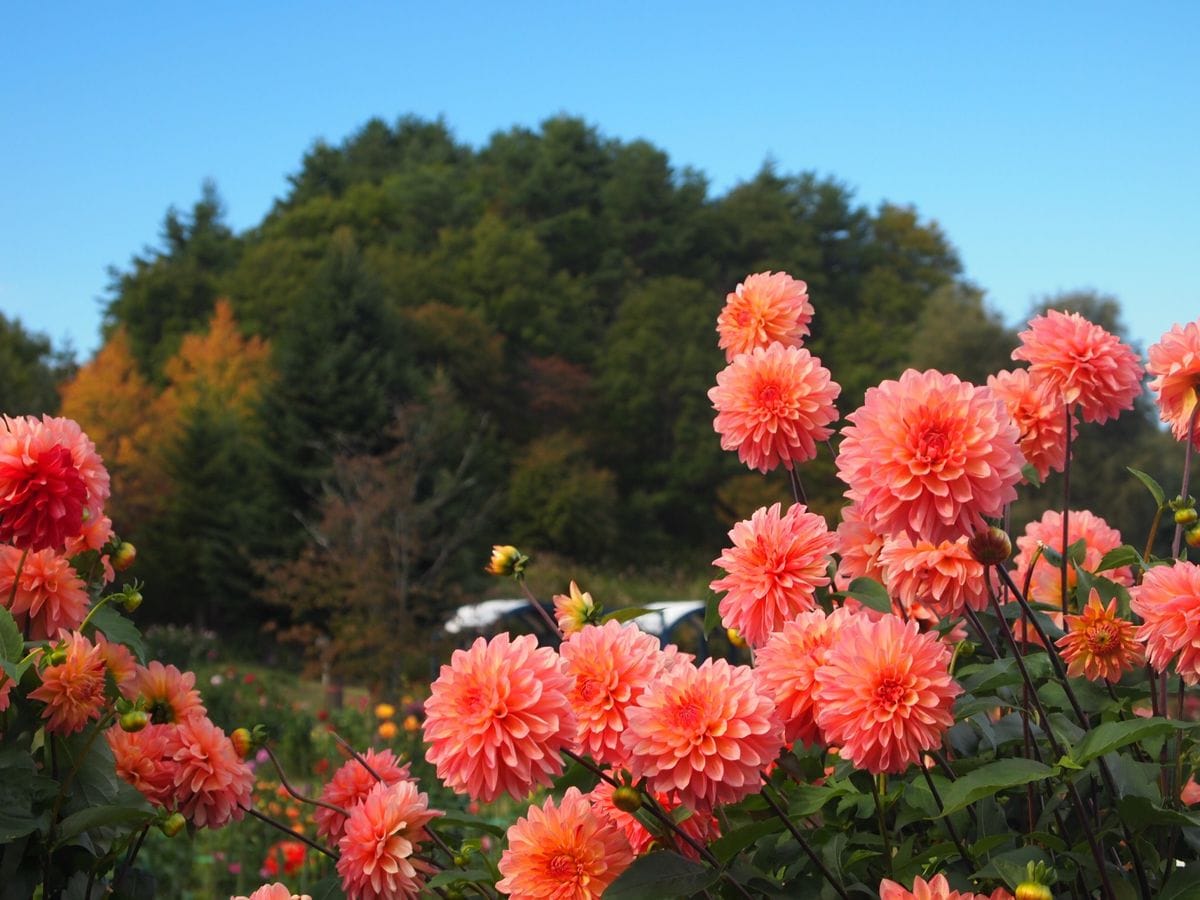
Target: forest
(317, 427)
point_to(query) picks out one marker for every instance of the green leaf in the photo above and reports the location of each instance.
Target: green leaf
(470, 822)
(11, 643)
(986, 679)
(1031, 474)
(1184, 884)
(101, 816)
(712, 614)
(660, 875)
(1120, 556)
(730, 845)
(328, 889)
(1111, 736)
(871, 594)
(1138, 812)
(450, 876)
(1152, 486)
(118, 628)
(990, 779)
(624, 615)
(1009, 866)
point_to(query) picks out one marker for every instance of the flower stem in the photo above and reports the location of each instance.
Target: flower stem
(1066, 515)
(546, 617)
(883, 830)
(773, 802)
(797, 487)
(1187, 473)
(291, 790)
(954, 836)
(321, 848)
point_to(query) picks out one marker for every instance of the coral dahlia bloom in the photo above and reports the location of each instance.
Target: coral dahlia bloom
(704, 732)
(1190, 795)
(773, 404)
(350, 785)
(857, 545)
(562, 851)
(1081, 363)
(1038, 414)
(141, 760)
(119, 661)
(773, 570)
(885, 695)
(610, 666)
(73, 690)
(764, 309)
(170, 695)
(703, 828)
(380, 841)
(942, 578)
(211, 783)
(1168, 601)
(1099, 644)
(930, 455)
(49, 595)
(498, 716)
(276, 891)
(574, 609)
(785, 665)
(1082, 525)
(1175, 365)
(937, 888)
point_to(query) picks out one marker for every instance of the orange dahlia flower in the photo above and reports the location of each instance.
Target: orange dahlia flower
(276, 891)
(930, 455)
(72, 690)
(1168, 600)
(1175, 365)
(574, 609)
(49, 595)
(1099, 644)
(773, 570)
(885, 695)
(212, 784)
(936, 888)
(141, 761)
(857, 545)
(1038, 414)
(1098, 537)
(943, 578)
(704, 732)
(350, 784)
(1081, 363)
(170, 695)
(562, 851)
(773, 404)
(764, 309)
(498, 716)
(703, 828)
(378, 847)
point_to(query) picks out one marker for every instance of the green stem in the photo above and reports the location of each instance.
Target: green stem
(1187, 473)
(1066, 515)
(883, 830)
(832, 879)
(954, 836)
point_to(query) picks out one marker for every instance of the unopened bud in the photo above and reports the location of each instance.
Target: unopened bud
(735, 637)
(1033, 890)
(124, 556)
(627, 799)
(506, 560)
(1192, 536)
(1187, 516)
(990, 547)
(133, 599)
(173, 824)
(134, 720)
(242, 742)
(56, 657)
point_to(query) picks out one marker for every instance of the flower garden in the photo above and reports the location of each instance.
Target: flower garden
(934, 709)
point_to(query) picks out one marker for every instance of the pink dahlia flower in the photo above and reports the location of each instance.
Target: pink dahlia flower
(773, 404)
(1098, 537)
(498, 717)
(72, 690)
(1081, 363)
(350, 785)
(379, 844)
(704, 732)
(276, 891)
(610, 666)
(764, 309)
(211, 783)
(562, 851)
(703, 828)
(857, 545)
(930, 455)
(942, 578)
(1168, 600)
(773, 570)
(937, 888)
(1175, 365)
(1038, 414)
(885, 695)
(170, 695)
(49, 595)
(141, 761)
(786, 664)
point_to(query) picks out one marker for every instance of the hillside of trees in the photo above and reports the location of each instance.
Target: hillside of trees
(324, 422)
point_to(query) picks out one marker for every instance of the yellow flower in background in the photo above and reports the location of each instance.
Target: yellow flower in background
(506, 560)
(412, 723)
(387, 730)
(384, 711)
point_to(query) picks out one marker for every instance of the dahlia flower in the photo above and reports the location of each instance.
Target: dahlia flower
(773, 570)
(1190, 793)
(704, 732)
(1099, 644)
(1038, 414)
(703, 828)
(785, 665)
(943, 578)
(857, 546)
(1168, 601)
(1175, 365)
(1081, 363)
(1098, 538)
(72, 690)
(141, 761)
(884, 694)
(562, 851)
(350, 784)
(49, 595)
(170, 695)
(764, 309)
(211, 783)
(936, 888)
(119, 661)
(379, 844)
(930, 455)
(574, 609)
(610, 666)
(773, 404)
(498, 716)
(276, 891)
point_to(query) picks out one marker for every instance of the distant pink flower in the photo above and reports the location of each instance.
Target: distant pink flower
(764, 309)
(562, 851)
(937, 888)
(379, 845)
(944, 577)
(498, 718)
(1098, 537)
(773, 570)
(211, 783)
(1082, 363)
(276, 891)
(930, 455)
(49, 595)
(885, 695)
(1175, 365)
(703, 828)
(72, 690)
(1038, 414)
(170, 695)
(1168, 600)
(857, 545)
(784, 668)
(773, 404)
(610, 666)
(350, 784)
(141, 761)
(705, 732)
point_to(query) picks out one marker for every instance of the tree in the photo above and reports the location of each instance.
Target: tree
(30, 370)
(956, 332)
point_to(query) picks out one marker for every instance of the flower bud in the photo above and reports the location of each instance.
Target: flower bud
(1187, 516)
(56, 657)
(243, 742)
(627, 799)
(172, 824)
(124, 556)
(133, 599)
(1192, 536)
(735, 637)
(134, 720)
(1033, 890)
(991, 547)
(506, 560)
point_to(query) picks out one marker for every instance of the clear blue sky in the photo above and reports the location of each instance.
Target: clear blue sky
(1058, 144)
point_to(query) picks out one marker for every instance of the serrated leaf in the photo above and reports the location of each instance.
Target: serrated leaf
(730, 845)
(1111, 736)
(871, 594)
(1138, 812)
(659, 875)
(100, 817)
(1118, 557)
(12, 645)
(118, 628)
(624, 615)
(1152, 486)
(991, 779)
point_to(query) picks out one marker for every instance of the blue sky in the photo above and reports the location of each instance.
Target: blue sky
(1058, 145)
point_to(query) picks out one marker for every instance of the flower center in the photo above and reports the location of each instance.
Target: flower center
(590, 689)
(932, 445)
(889, 692)
(564, 866)
(1103, 637)
(688, 716)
